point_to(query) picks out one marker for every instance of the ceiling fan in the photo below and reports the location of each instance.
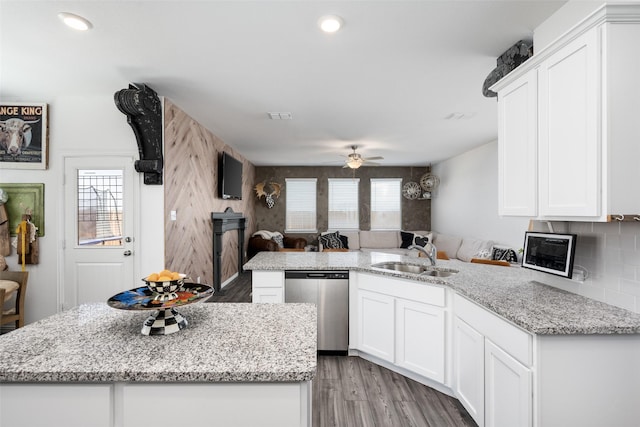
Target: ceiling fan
(355, 160)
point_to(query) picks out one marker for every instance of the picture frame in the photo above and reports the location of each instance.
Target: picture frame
(22, 197)
(24, 135)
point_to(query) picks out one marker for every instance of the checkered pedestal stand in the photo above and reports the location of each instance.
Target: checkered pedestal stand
(164, 322)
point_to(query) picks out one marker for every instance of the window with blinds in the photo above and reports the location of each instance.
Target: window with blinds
(343, 204)
(301, 205)
(385, 203)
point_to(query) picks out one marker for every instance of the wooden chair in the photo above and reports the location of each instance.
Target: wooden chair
(16, 313)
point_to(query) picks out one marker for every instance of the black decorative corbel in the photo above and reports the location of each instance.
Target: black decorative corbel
(143, 109)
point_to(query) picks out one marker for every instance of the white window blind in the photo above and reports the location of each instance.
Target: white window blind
(343, 204)
(385, 204)
(301, 205)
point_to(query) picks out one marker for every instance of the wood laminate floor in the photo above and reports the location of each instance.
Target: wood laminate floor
(353, 392)
(239, 290)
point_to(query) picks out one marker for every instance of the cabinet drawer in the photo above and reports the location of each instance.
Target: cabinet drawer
(510, 338)
(400, 288)
(267, 279)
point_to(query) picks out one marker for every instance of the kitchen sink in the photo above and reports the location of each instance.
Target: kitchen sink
(423, 270)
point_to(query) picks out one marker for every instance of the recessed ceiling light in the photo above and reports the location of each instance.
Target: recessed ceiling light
(330, 23)
(75, 21)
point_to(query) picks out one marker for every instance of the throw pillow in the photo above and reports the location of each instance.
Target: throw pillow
(279, 239)
(504, 254)
(420, 240)
(331, 240)
(407, 239)
(345, 241)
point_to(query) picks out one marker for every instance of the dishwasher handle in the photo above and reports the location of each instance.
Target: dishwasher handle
(293, 274)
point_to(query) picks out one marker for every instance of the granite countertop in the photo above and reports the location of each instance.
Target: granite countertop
(510, 292)
(222, 343)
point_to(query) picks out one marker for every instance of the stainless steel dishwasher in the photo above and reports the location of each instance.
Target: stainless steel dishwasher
(329, 290)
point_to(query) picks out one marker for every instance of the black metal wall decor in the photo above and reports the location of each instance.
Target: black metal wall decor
(507, 62)
(143, 109)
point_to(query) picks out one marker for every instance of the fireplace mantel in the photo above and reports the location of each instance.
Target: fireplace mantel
(222, 222)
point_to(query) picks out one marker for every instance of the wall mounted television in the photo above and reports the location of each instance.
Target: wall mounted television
(551, 253)
(230, 179)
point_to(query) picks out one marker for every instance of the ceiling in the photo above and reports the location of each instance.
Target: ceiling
(388, 82)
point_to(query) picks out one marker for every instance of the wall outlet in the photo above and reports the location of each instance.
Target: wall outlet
(174, 215)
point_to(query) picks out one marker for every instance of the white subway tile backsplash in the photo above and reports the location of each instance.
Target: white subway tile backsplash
(620, 299)
(610, 252)
(630, 287)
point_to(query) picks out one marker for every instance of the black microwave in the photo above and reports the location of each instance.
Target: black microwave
(551, 253)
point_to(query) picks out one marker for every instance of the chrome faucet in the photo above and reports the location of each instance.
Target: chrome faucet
(432, 255)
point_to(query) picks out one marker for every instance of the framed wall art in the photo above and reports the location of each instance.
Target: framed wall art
(23, 135)
(23, 197)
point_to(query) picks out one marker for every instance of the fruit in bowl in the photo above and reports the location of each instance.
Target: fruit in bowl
(165, 284)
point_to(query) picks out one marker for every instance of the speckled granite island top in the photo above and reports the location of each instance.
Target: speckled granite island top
(223, 343)
(510, 292)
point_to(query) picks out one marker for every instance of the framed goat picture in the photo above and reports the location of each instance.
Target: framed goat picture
(23, 135)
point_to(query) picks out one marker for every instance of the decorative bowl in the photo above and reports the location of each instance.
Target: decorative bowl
(165, 290)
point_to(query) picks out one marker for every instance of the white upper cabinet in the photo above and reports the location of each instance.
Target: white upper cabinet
(568, 123)
(517, 147)
(576, 106)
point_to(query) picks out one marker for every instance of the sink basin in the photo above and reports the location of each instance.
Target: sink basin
(404, 267)
(400, 266)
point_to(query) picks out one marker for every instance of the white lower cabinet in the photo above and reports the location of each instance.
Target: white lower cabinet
(402, 322)
(375, 326)
(267, 295)
(492, 362)
(267, 286)
(468, 368)
(420, 338)
(508, 392)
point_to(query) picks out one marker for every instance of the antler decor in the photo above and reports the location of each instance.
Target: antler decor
(263, 187)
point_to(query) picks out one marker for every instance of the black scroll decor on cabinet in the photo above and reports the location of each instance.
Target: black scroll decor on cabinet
(143, 109)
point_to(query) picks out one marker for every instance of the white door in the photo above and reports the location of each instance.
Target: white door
(99, 212)
(420, 338)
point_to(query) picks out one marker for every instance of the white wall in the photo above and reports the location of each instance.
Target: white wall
(570, 14)
(466, 203)
(82, 125)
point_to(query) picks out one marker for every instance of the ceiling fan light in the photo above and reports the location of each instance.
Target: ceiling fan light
(354, 163)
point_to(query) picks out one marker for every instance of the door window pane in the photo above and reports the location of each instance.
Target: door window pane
(100, 207)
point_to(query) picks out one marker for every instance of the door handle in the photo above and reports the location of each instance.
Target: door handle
(127, 253)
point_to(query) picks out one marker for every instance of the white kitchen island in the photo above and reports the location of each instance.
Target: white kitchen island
(234, 365)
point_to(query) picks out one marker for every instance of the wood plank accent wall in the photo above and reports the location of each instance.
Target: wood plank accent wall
(191, 155)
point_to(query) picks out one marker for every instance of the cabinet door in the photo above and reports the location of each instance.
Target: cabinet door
(376, 329)
(569, 130)
(267, 295)
(420, 338)
(518, 147)
(468, 369)
(508, 398)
